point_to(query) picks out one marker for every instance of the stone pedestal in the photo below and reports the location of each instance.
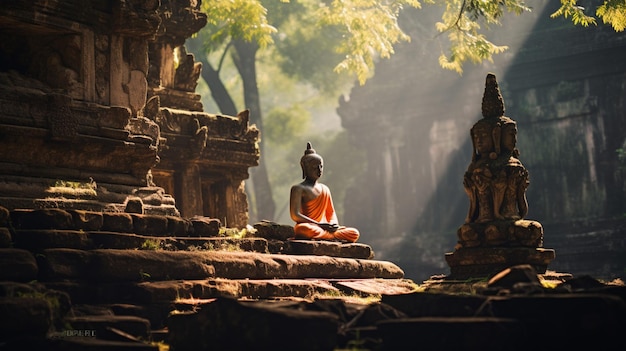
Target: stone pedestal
(484, 249)
(495, 235)
(477, 262)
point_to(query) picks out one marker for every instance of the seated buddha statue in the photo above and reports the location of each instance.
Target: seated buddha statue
(311, 205)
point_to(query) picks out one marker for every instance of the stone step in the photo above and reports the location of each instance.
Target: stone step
(166, 292)
(155, 301)
(110, 265)
(39, 229)
(37, 240)
(143, 224)
(40, 239)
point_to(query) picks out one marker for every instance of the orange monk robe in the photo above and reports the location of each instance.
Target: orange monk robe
(321, 209)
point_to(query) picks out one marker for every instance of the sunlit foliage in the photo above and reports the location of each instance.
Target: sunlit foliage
(612, 12)
(245, 19)
(570, 8)
(461, 20)
(369, 28)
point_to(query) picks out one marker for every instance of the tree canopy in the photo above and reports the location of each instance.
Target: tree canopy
(369, 29)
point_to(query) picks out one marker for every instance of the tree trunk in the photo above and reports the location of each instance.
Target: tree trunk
(218, 91)
(212, 77)
(244, 57)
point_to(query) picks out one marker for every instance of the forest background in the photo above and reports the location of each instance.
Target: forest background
(292, 62)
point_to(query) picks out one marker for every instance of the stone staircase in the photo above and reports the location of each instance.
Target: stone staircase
(82, 280)
(86, 280)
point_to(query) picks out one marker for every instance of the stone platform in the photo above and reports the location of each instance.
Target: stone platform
(110, 280)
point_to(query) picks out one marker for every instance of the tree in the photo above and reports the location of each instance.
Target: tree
(241, 28)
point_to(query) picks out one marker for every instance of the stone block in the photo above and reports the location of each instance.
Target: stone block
(86, 220)
(60, 264)
(49, 218)
(226, 243)
(47, 239)
(278, 326)
(328, 248)
(150, 225)
(177, 226)
(24, 318)
(357, 250)
(272, 230)
(314, 247)
(271, 288)
(140, 265)
(476, 262)
(204, 226)
(117, 222)
(17, 265)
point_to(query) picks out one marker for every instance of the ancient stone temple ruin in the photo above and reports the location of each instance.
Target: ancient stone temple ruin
(109, 169)
(98, 110)
(496, 234)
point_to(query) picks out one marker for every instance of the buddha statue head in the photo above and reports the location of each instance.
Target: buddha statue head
(485, 139)
(509, 137)
(311, 162)
(487, 132)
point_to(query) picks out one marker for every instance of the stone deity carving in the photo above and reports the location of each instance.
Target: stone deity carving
(496, 180)
(496, 234)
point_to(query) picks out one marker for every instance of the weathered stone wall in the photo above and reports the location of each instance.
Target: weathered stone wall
(98, 105)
